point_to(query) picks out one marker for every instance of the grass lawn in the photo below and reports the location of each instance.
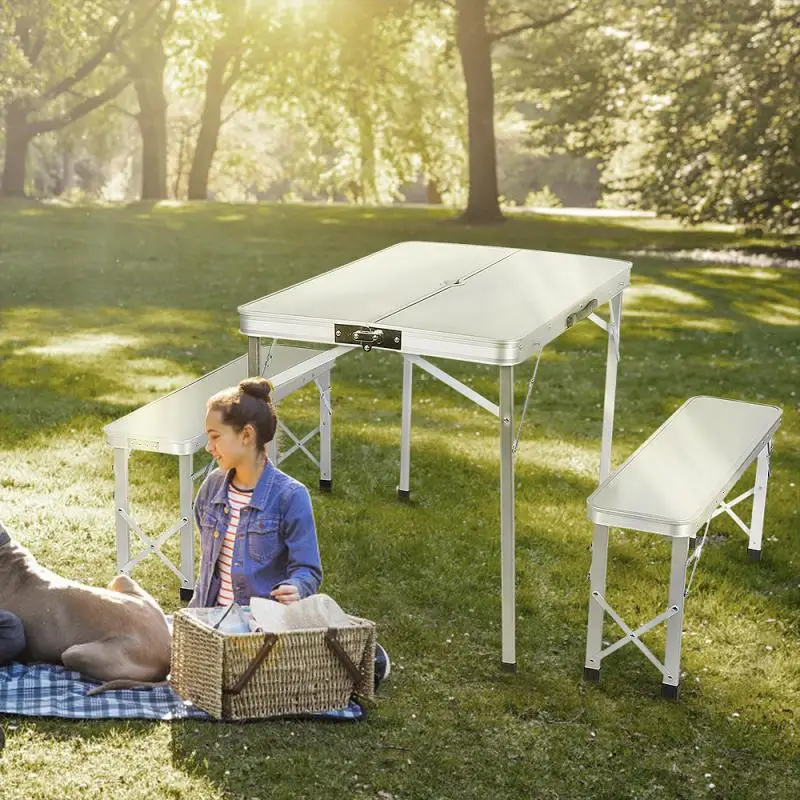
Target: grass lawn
(102, 310)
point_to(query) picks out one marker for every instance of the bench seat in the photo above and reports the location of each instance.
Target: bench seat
(681, 474)
(673, 485)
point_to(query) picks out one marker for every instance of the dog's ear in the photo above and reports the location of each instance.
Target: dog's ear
(5, 537)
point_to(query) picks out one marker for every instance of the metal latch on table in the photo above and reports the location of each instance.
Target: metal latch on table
(581, 313)
(367, 336)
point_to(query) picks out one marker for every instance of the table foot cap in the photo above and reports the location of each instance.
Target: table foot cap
(591, 675)
(509, 668)
(186, 594)
(753, 555)
(404, 495)
(669, 691)
(325, 485)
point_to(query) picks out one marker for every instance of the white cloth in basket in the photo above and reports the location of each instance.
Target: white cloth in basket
(316, 611)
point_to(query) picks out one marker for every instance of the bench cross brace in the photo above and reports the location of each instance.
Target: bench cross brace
(634, 636)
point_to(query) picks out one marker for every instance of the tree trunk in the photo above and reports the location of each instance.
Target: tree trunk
(18, 138)
(152, 118)
(434, 196)
(210, 124)
(367, 176)
(67, 171)
(475, 48)
(219, 81)
(204, 151)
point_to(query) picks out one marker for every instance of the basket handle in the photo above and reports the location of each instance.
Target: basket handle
(269, 642)
(336, 646)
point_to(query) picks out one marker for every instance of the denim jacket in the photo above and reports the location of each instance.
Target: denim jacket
(276, 540)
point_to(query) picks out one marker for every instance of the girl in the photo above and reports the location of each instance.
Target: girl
(257, 532)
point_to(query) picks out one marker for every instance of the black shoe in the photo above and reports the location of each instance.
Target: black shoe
(382, 665)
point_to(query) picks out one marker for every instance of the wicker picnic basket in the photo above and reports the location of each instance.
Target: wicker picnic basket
(238, 676)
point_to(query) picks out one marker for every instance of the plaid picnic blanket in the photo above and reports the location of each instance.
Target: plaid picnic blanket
(46, 690)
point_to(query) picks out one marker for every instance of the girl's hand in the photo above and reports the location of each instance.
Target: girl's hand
(285, 593)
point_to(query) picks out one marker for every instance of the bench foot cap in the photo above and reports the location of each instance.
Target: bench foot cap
(753, 555)
(404, 495)
(186, 594)
(509, 667)
(669, 692)
(591, 675)
(325, 485)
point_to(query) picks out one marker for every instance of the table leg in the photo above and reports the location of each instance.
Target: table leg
(612, 360)
(185, 470)
(325, 422)
(121, 508)
(404, 489)
(677, 582)
(597, 589)
(507, 545)
(272, 447)
(254, 365)
(759, 504)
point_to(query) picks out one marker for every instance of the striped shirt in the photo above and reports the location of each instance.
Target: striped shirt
(237, 499)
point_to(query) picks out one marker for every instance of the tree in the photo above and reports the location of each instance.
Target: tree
(479, 25)
(223, 70)
(724, 140)
(145, 60)
(62, 70)
(372, 97)
(692, 109)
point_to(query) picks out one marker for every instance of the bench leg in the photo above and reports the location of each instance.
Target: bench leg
(404, 490)
(185, 470)
(759, 504)
(121, 507)
(597, 588)
(677, 582)
(325, 420)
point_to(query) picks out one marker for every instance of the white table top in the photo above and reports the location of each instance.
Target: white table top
(676, 479)
(493, 305)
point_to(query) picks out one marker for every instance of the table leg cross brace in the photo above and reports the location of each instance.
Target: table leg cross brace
(299, 444)
(727, 508)
(634, 635)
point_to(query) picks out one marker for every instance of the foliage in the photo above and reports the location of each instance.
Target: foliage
(62, 54)
(701, 100)
(726, 135)
(375, 88)
(544, 198)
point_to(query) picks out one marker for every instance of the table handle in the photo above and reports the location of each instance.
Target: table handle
(581, 313)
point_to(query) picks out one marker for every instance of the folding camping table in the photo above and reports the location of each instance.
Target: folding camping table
(486, 305)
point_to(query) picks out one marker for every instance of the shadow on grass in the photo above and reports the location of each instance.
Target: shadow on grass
(74, 730)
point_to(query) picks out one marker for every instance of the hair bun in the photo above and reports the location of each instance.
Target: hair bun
(259, 388)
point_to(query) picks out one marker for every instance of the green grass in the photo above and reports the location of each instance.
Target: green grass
(105, 309)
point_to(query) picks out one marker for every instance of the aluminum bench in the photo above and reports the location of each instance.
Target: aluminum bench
(673, 485)
(174, 424)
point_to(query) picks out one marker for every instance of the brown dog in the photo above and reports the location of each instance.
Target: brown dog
(113, 634)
